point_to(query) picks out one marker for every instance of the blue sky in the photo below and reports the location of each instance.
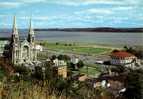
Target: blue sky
(72, 13)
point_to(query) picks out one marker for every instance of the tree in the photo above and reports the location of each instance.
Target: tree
(48, 70)
(24, 72)
(64, 57)
(134, 85)
(80, 64)
(38, 73)
(126, 47)
(53, 57)
(57, 43)
(71, 66)
(115, 50)
(60, 57)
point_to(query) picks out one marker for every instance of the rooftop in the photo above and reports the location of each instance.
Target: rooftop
(121, 54)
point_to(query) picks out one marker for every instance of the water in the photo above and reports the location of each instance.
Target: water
(85, 37)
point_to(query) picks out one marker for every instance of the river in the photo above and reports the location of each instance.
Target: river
(85, 37)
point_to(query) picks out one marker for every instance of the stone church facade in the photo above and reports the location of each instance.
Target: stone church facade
(22, 51)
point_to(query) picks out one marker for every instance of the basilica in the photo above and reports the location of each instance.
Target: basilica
(22, 51)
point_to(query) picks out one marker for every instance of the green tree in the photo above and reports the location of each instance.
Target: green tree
(71, 66)
(64, 57)
(53, 57)
(80, 64)
(134, 85)
(25, 72)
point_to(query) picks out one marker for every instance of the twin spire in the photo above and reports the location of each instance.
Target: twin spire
(30, 27)
(15, 30)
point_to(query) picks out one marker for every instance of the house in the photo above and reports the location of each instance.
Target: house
(123, 58)
(60, 68)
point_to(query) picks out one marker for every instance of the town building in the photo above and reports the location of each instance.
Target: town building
(60, 68)
(122, 58)
(20, 51)
(3, 43)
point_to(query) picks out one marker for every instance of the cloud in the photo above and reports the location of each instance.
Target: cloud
(123, 8)
(42, 18)
(90, 2)
(9, 4)
(64, 2)
(3, 15)
(86, 2)
(73, 12)
(32, 1)
(102, 11)
(97, 11)
(18, 3)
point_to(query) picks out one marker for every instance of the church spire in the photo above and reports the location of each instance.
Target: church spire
(15, 36)
(31, 36)
(30, 28)
(15, 31)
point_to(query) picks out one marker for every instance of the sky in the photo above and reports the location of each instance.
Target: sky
(72, 13)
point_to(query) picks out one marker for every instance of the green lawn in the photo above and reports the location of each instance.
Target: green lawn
(75, 48)
(91, 71)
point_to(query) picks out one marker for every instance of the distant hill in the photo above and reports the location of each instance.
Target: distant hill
(102, 29)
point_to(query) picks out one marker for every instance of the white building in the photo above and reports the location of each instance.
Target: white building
(3, 43)
(60, 67)
(39, 48)
(122, 58)
(59, 62)
(74, 60)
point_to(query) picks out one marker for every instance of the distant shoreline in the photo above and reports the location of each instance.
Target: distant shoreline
(115, 30)
(100, 29)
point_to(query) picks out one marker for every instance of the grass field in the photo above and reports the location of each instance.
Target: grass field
(90, 70)
(75, 48)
